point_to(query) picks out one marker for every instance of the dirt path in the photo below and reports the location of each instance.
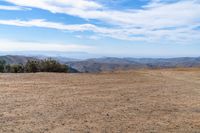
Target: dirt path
(133, 101)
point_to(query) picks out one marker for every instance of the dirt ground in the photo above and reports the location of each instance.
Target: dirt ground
(143, 101)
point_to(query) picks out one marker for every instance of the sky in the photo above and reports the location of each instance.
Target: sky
(120, 28)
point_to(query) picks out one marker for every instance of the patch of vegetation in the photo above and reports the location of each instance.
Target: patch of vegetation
(2, 65)
(33, 66)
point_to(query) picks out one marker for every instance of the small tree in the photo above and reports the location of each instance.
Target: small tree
(17, 68)
(2, 65)
(32, 66)
(7, 68)
(50, 65)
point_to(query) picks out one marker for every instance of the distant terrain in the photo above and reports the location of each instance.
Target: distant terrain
(11, 59)
(143, 101)
(113, 64)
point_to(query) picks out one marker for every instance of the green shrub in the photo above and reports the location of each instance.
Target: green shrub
(17, 68)
(50, 65)
(2, 65)
(32, 66)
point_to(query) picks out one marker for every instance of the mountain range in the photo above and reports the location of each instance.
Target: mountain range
(95, 65)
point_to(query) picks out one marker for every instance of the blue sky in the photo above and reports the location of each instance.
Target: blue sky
(135, 28)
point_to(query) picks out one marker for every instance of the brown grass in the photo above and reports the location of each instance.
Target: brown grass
(131, 101)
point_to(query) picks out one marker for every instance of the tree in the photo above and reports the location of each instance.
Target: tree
(17, 68)
(2, 65)
(7, 68)
(50, 65)
(32, 66)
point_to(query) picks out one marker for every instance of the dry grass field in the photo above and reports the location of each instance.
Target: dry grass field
(146, 101)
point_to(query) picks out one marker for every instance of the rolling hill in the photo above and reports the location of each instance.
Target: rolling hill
(110, 64)
(96, 65)
(11, 59)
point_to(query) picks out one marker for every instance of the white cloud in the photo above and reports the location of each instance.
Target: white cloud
(9, 45)
(60, 26)
(164, 14)
(171, 20)
(46, 24)
(58, 6)
(14, 8)
(133, 34)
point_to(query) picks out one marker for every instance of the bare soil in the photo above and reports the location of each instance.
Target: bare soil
(146, 101)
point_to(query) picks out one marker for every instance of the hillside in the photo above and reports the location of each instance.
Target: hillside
(11, 59)
(18, 59)
(110, 64)
(96, 66)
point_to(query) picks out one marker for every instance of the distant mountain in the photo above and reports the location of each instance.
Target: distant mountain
(71, 55)
(11, 59)
(168, 63)
(105, 64)
(111, 64)
(58, 58)
(17, 59)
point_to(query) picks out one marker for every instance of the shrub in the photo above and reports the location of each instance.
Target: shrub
(2, 65)
(7, 68)
(32, 66)
(47, 65)
(17, 68)
(50, 65)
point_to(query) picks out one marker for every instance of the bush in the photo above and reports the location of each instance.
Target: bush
(7, 68)
(16, 68)
(2, 65)
(33, 66)
(47, 65)
(50, 65)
